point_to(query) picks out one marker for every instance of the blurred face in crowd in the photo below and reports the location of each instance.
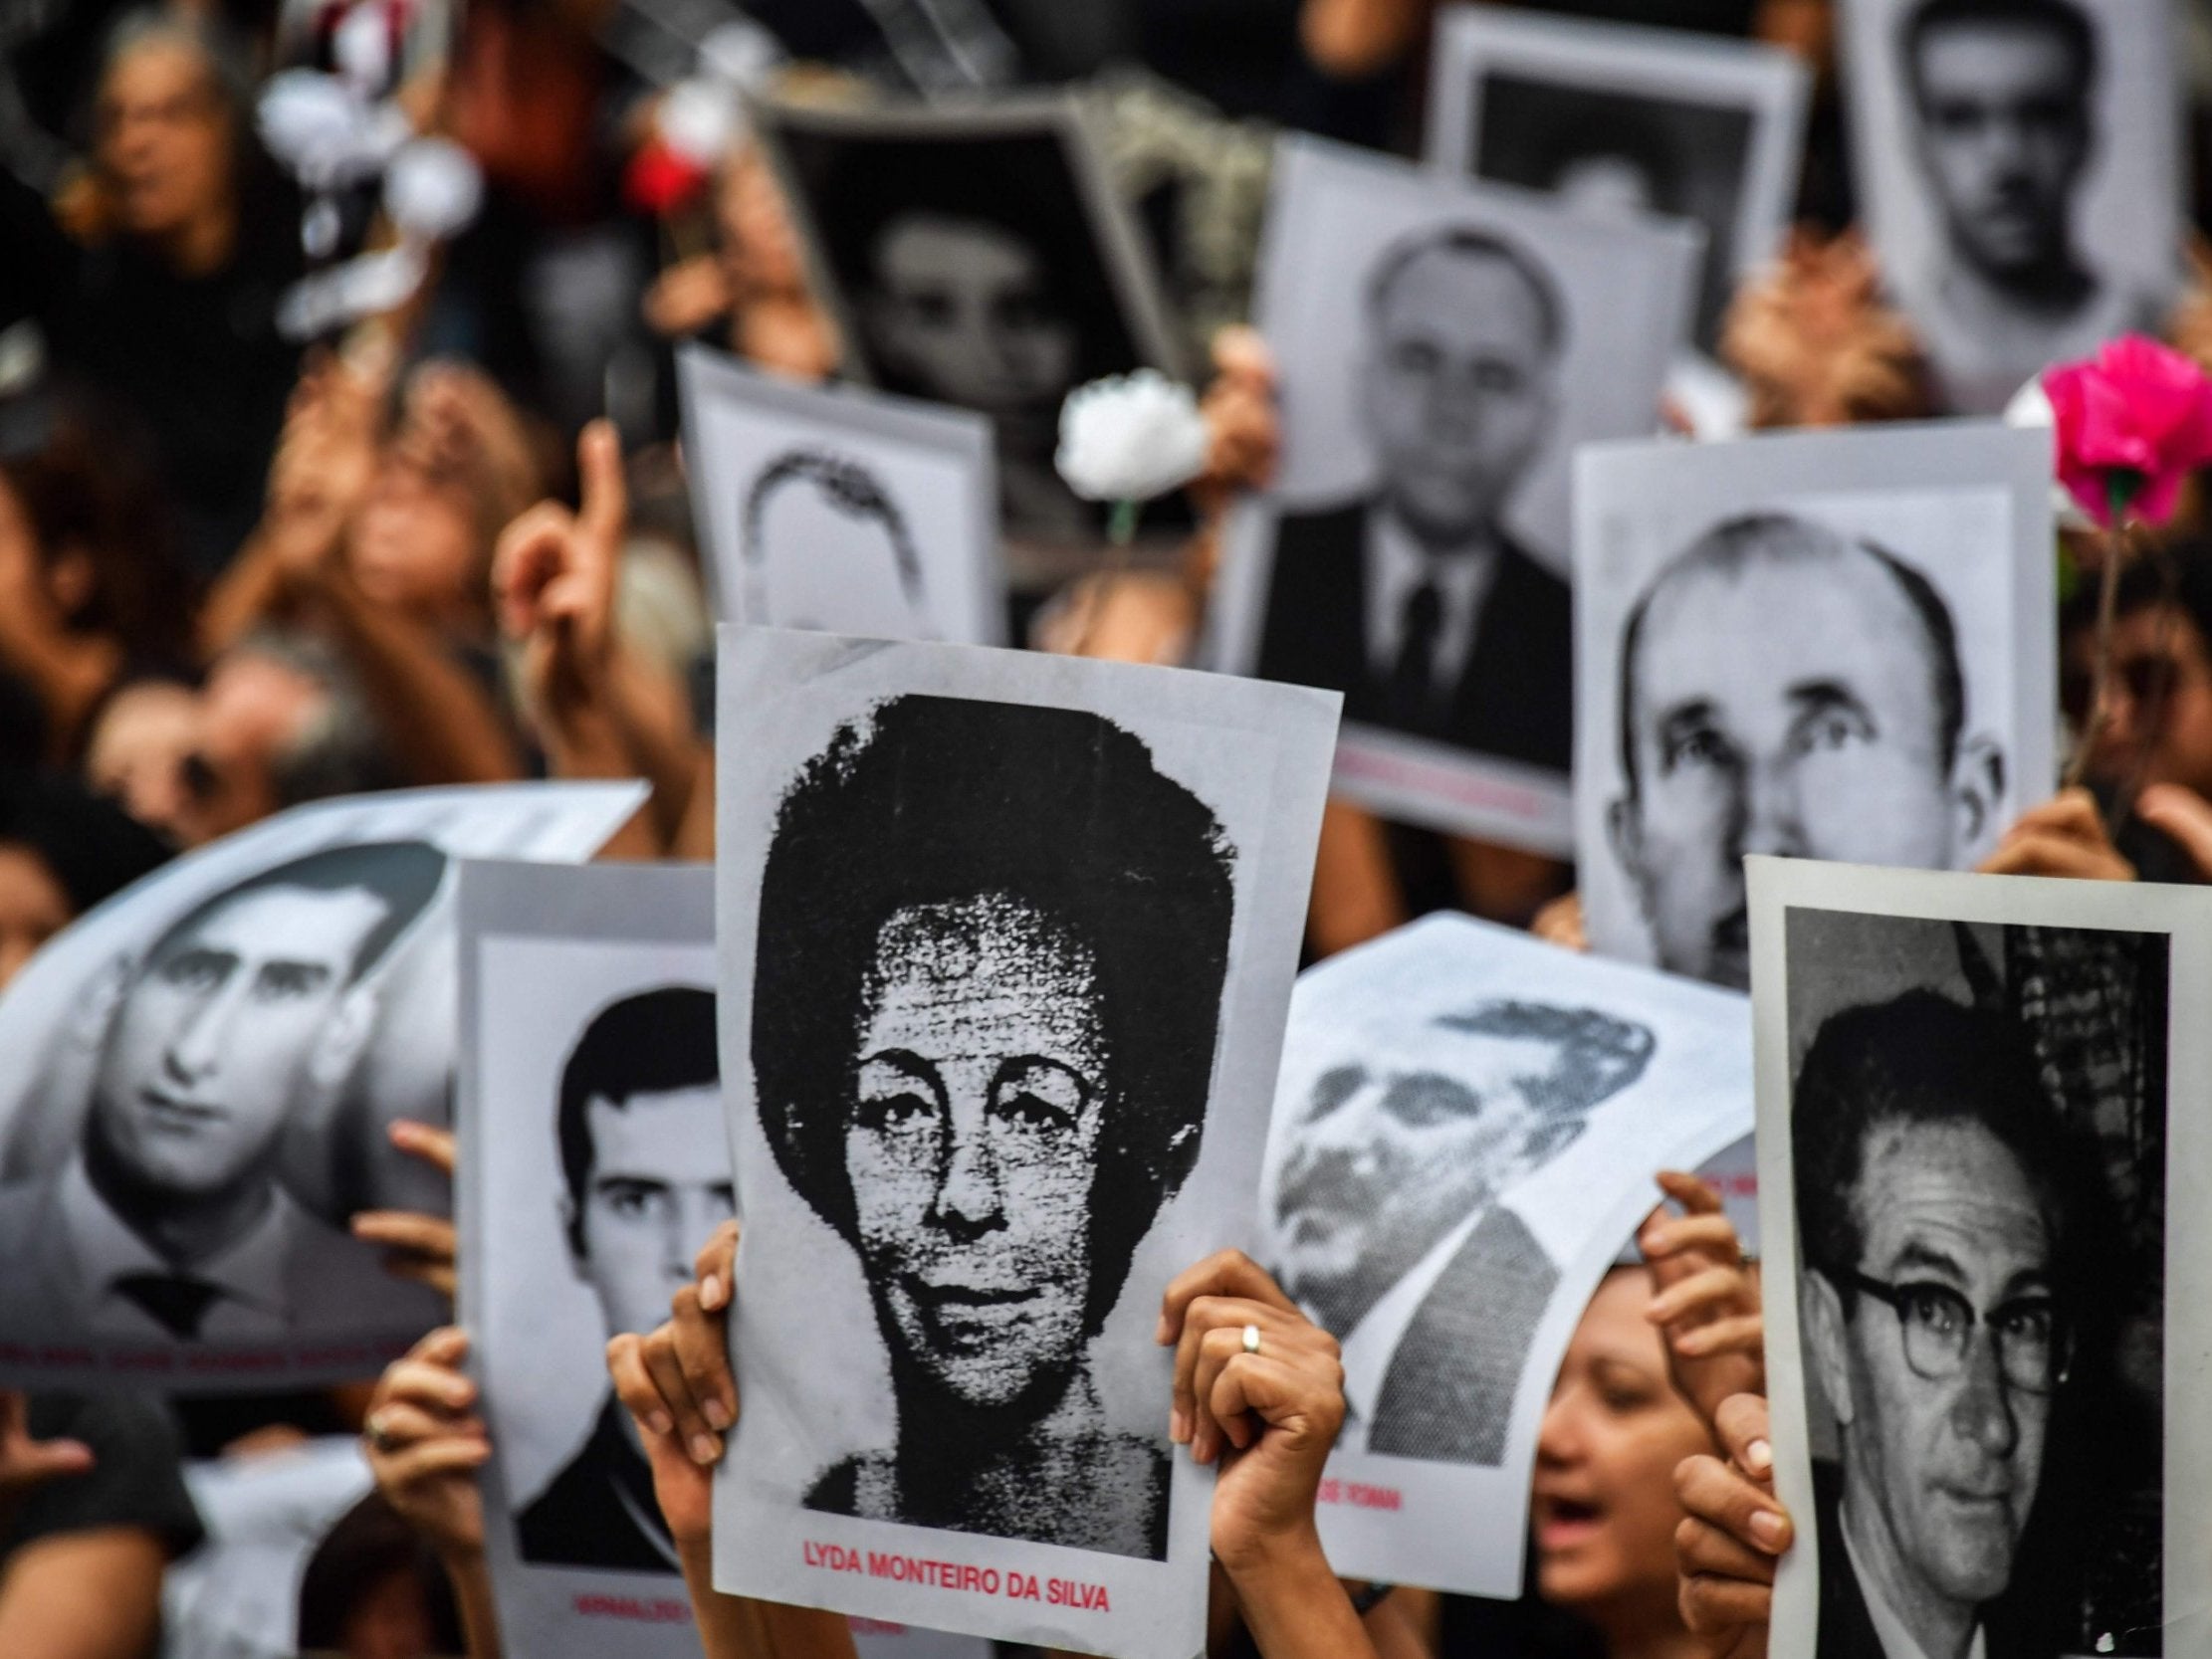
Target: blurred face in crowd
(1459, 391)
(414, 545)
(33, 906)
(166, 139)
(211, 1041)
(2003, 122)
(2159, 716)
(1814, 731)
(960, 306)
(1603, 1507)
(659, 1186)
(1386, 1164)
(1942, 1412)
(979, 1094)
(39, 586)
(252, 709)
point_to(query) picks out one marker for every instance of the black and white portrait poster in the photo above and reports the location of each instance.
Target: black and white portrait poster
(2020, 164)
(1466, 1124)
(839, 509)
(1982, 1154)
(1828, 645)
(1623, 121)
(975, 254)
(1443, 346)
(205, 1071)
(595, 1166)
(1006, 944)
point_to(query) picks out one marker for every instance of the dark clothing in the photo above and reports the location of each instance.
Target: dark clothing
(1513, 697)
(1448, 1396)
(589, 1513)
(135, 1479)
(191, 368)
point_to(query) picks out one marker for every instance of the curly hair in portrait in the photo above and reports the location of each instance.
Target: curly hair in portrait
(933, 800)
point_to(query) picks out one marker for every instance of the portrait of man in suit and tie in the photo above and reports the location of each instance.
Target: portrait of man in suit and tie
(172, 1221)
(1391, 1226)
(1415, 600)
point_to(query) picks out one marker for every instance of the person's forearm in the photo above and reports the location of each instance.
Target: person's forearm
(440, 722)
(654, 720)
(83, 1596)
(471, 1578)
(244, 594)
(738, 1628)
(1295, 1608)
(68, 677)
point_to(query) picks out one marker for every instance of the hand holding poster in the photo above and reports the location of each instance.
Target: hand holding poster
(1466, 1126)
(210, 1063)
(1006, 946)
(1985, 1303)
(590, 1112)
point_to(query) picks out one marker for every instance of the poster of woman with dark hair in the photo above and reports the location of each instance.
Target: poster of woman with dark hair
(1006, 944)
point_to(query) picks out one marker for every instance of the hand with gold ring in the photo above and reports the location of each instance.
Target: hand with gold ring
(425, 1444)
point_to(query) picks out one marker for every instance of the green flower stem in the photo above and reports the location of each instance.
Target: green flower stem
(2121, 486)
(1121, 526)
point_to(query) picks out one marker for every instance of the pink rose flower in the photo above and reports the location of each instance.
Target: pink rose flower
(2133, 423)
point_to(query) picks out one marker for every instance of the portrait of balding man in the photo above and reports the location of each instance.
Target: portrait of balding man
(1786, 687)
(170, 1221)
(1415, 600)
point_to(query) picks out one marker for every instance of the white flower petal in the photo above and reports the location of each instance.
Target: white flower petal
(741, 53)
(315, 127)
(1131, 437)
(432, 189)
(700, 119)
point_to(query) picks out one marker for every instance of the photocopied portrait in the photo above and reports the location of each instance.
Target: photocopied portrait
(595, 1166)
(2023, 173)
(1464, 1124)
(1831, 645)
(1411, 554)
(995, 934)
(1623, 121)
(209, 1068)
(1963, 1089)
(976, 256)
(842, 509)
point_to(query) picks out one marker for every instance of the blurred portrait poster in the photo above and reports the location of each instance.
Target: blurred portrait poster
(595, 1167)
(842, 509)
(1007, 943)
(1466, 1124)
(2021, 164)
(1984, 1296)
(1443, 348)
(208, 1066)
(1837, 645)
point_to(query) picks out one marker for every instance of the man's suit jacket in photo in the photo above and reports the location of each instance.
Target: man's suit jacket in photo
(1513, 697)
(1448, 1396)
(600, 1511)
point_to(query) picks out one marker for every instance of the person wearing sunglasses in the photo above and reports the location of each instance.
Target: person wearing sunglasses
(1932, 1219)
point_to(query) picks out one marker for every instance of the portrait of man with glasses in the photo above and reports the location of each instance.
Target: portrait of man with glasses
(1938, 1314)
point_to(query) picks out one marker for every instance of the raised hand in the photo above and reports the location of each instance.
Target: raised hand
(677, 1385)
(421, 1247)
(554, 574)
(426, 1443)
(1732, 1533)
(27, 1464)
(1707, 1302)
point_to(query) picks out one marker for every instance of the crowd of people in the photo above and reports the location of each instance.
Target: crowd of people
(246, 566)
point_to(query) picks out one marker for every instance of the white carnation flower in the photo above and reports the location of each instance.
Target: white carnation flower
(700, 119)
(432, 190)
(1131, 437)
(740, 53)
(315, 125)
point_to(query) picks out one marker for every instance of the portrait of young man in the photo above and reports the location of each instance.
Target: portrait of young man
(1964, 1096)
(1784, 688)
(2008, 112)
(644, 1160)
(827, 546)
(171, 1220)
(1415, 600)
(1388, 1225)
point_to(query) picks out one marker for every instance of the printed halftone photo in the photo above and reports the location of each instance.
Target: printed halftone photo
(1624, 122)
(999, 942)
(2021, 164)
(842, 510)
(1964, 1087)
(1467, 1120)
(208, 1066)
(1819, 645)
(1412, 551)
(975, 254)
(595, 1166)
